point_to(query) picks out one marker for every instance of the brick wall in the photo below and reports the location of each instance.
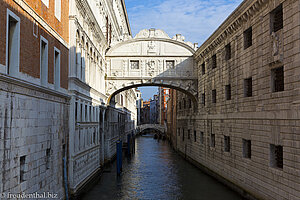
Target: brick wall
(30, 44)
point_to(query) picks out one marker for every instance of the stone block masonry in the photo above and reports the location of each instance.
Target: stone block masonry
(252, 138)
(32, 134)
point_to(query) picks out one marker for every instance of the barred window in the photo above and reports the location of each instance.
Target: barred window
(246, 148)
(248, 38)
(170, 64)
(134, 64)
(214, 96)
(248, 87)
(277, 76)
(214, 61)
(228, 52)
(276, 17)
(276, 156)
(226, 143)
(228, 92)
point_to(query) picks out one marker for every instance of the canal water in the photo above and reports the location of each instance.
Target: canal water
(155, 172)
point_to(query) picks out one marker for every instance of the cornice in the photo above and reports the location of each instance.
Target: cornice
(151, 39)
(243, 13)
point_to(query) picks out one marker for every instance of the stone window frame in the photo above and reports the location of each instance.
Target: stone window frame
(170, 61)
(214, 61)
(57, 66)
(248, 88)
(277, 79)
(134, 61)
(248, 37)
(46, 3)
(228, 92)
(201, 137)
(214, 96)
(44, 68)
(276, 25)
(9, 70)
(203, 68)
(228, 52)
(57, 9)
(247, 148)
(226, 143)
(276, 156)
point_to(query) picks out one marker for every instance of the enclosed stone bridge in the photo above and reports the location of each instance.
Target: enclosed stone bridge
(156, 127)
(152, 58)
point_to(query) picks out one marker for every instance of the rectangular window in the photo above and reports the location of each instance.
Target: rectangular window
(203, 99)
(182, 134)
(12, 43)
(85, 113)
(48, 151)
(248, 87)
(203, 68)
(228, 92)
(214, 96)
(179, 105)
(184, 103)
(134, 64)
(90, 114)
(214, 61)
(276, 19)
(81, 112)
(46, 2)
(277, 76)
(212, 140)
(44, 61)
(228, 52)
(247, 148)
(170, 64)
(76, 112)
(226, 143)
(190, 103)
(178, 131)
(195, 136)
(248, 38)
(22, 168)
(276, 156)
(201, 137)
(189, 134)
(58, 9)
(56, 68)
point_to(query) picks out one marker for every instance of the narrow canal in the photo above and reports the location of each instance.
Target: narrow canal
(157, 172)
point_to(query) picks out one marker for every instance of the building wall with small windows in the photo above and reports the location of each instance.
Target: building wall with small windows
(247, 118)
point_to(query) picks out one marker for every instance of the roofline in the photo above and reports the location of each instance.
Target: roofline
(126, 15)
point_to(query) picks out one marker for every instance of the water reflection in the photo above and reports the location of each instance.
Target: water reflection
(157, 172)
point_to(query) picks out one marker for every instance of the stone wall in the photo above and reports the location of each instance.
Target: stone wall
(33, 135)
(250, 139)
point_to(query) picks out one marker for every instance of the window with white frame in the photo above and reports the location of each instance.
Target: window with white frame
(44, 61)
(56, 68)
(58, 9)
(46, 2)
(12, 43)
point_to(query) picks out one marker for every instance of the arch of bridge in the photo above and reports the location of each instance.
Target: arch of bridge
(152, 58)
(158, 127)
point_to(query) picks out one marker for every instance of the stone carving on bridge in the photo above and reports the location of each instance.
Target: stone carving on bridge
(151, 47)
(151, 67)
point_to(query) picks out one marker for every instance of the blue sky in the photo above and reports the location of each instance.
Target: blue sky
(196, 20)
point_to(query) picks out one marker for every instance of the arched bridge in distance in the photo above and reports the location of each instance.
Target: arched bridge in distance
(157, 127)
(152, 58)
